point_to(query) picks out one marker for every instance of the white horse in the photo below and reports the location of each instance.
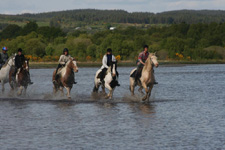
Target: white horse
(147, 78)
(110, 80)
(4, 72)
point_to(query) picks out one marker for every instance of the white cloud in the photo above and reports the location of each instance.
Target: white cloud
(37, 6)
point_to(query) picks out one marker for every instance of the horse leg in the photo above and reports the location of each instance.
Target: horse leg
(109, 95)
(25, 91)
(140, 90)
(61, 89)
(149, 91)
(3, 87)
(146, 90)
(103, 89)
(132, 85)
(20, 90)
(68, 92)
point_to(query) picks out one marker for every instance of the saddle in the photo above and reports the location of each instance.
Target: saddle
(139, 73)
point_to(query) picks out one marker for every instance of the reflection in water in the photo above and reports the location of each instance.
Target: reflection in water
(146, 108)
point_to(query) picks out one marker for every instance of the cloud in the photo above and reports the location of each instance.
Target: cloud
(37, 6)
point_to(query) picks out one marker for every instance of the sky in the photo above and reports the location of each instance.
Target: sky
(155, 6)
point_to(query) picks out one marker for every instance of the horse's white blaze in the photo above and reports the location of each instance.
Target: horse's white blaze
(154, 60)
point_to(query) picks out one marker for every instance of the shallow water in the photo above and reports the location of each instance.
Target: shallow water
(186, 112)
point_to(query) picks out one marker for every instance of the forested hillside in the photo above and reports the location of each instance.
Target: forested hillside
(121, 16)
(185, 35)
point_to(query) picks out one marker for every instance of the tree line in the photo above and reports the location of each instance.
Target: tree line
(177, 41)
(91, 16)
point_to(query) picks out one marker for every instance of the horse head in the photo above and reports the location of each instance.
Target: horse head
(25, 65)
(73, 65)
(153, 58)
(113, 68)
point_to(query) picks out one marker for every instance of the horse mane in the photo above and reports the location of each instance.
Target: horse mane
(6, 63)
(148, 61)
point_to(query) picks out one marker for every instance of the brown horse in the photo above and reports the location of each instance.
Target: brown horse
(66, 77)
(21, 80)
(147, 78)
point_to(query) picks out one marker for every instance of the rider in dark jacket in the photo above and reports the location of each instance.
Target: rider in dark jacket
(19, 59)
(3, 56)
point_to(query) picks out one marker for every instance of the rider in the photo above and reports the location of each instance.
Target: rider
(142, 57)
(19, 59)
(106, 60)
(3, 56)
(64, 58)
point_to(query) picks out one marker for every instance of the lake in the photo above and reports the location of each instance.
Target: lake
(186, 111)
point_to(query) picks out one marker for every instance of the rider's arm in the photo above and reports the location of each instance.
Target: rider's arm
(113, 58)
(104, 62)
(140, 58)
(61, 62)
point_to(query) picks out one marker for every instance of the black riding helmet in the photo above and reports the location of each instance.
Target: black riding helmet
(20, 50)
(109, 50)
(145, 46)
(65, 50)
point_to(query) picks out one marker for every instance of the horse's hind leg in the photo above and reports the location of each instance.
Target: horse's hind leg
(140, 90)
(132, 85)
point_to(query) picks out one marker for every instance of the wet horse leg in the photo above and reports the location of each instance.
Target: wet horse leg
(68, 92)
(149, 91)
(61, 89)
(109, 95)
(146, 90)
(20, 90)
(132, 85)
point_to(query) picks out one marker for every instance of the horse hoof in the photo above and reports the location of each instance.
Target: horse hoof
(69, 98)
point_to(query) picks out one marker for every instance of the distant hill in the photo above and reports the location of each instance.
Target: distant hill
(121, 16)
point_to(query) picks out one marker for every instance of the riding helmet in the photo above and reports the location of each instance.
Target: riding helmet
(20, 50)
(145, 46)
(4, 48)
(109, 50)
(65, 50)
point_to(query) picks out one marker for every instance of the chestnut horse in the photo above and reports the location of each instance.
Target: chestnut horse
(66, 77)
(147, 78)
(21, 80)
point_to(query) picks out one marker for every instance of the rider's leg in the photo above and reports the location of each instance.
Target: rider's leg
(102, 74)
(56, 75)
(29, 80)
(138, 72)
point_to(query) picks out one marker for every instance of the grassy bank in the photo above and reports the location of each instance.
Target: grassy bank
(36, 65)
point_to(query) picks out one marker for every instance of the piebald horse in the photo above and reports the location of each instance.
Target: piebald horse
(21, 80)
(4, 72)
(66, 78)
(147, 78)
(110, 80)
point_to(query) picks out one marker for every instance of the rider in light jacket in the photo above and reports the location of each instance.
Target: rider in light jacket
(106, 60)
(64, 58)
